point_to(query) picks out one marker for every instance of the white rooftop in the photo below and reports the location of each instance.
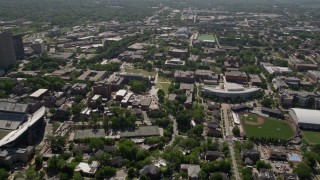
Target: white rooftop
(88, 168)
(121, 92)
(38, 93)
(305, 115)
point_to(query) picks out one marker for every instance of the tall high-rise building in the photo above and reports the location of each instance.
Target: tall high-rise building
(18, 46)
(7, 54)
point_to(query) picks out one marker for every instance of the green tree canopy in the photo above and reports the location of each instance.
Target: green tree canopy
(303, 171)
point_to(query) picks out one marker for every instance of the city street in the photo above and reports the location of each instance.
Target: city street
(175, 129)
(228, 137)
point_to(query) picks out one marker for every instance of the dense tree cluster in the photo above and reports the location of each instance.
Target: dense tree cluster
(46, 82)
(122, 118)
(6, 86)
(138, 86)
(43, 63)
(67, 13)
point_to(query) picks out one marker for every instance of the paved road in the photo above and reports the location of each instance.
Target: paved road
(217, 41)
(146, 119)
(228, 138)
(153, 91)
(175, 129)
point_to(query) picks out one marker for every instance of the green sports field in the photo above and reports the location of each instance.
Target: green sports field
(206, 37)
(312, 137)
(270, 128)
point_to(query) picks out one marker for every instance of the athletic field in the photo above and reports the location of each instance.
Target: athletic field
(258, 126)
(312, 137)
(206, 38)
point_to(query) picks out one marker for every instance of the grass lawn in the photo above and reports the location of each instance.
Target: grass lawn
(141, 71)
(164, 86)
(269, 129)
(162, 79)
(251, 118)
(313, 137)
(3, 133)
(276, 54)
(206, 37)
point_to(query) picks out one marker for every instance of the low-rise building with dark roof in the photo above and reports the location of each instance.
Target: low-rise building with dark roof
(305, 67)
(278, 156)
(64, 73)
(174, 63)
(248, 162)
(241, 108)
(130, 56)
(141, 131)
(253, 154)
(236, 77)
(192, 170)
(79, 89)
(177, 53)
(286, 99)
(213, 124)
(292, 80)
(145, 103)
(151, 171)
(314, 75)
(116, 161)
(255, 80)
(231, 62)
(214, 132)
(216, 114)
(213, 155)
(264, 174)
(271, 112)
(183, 32)
(62, 112)
(202, 74)
(10, 156)
(184, 76)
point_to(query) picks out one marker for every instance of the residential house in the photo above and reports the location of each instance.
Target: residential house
(264, 174)
(151, 171)
(213, 155)
(253, 154)
(192, 170)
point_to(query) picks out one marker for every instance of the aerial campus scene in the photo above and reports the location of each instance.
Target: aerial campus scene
(160, 89)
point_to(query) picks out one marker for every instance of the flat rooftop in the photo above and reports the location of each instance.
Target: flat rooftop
(142, 131)
(91, 75)
(38, 93)
(89, 133)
